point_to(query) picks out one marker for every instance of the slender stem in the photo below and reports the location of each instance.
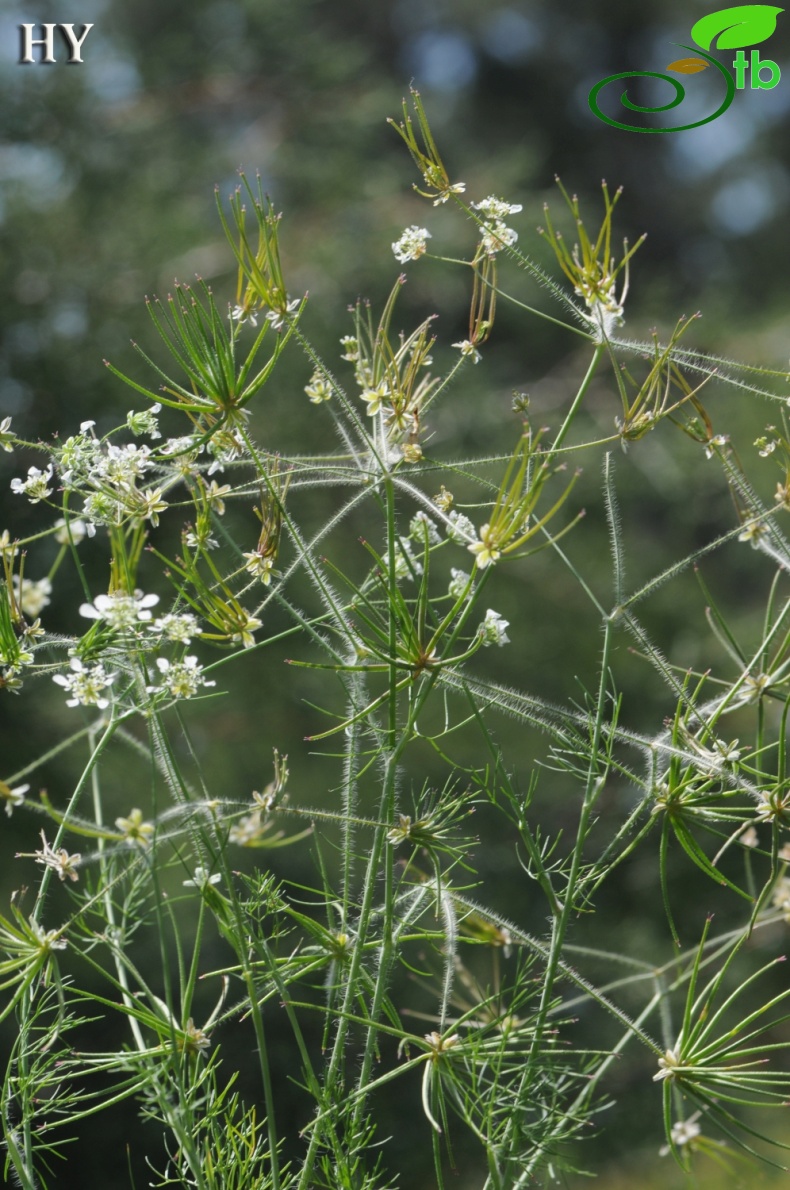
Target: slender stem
(570, 417)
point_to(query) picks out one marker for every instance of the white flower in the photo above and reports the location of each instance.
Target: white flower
(60, 861)
(682, 1133)
(411, 245)
(456, 188)
(259, 566)
(75, 527)
(85, 684)
(458, 581)
(149, 504)
(497, 237)
(125, 464)
(215, 494)
(496, 209)
(244, 635)
(12, 797)
(6, 437)
(182, 679)
(79, 455)
(48, 939)
(719, 440)
(201, 878)
(200, 538)
(606, 314)
(240, 315)
(185, 451)
(226, 446)
(374, 397)
(119, 610)
(460, 529)
(752, 531)
(466, 347)
(667, 1066)
(30, 632)
(421, 525)
(351, 346)
(247, 830)
(492, 629)
(137, 833)
(485, 550)
(495, 234)
(33, 596)
(180, 627)
(144, 422)
(35, 486)
(278, 318)
(101, 509)
(319, 389)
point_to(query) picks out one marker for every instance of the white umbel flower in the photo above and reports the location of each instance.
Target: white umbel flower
(177, 626)
(120, 610)
(85, 684)
(411, 245)
(182, 679)
(32, 596)
(75, 528)
(492, 629)
(496, 209)
(35, 487)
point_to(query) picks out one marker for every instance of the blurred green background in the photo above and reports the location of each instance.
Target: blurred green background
(107, 176)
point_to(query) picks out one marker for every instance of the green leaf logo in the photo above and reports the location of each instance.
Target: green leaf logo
(746, 24)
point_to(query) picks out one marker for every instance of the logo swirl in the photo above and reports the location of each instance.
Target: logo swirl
(680, 95)
(730, 28)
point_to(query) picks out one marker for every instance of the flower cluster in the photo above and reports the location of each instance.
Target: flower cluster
(412, 244)
(492, 630)
(108, 475)
(36, 486)
(86, 684)
(495, 233)
(392, 380)
(180, 627)
(144, 421)
(181, 679)
(32, 596)
(120, 611)
(591, 267)
(319, 388)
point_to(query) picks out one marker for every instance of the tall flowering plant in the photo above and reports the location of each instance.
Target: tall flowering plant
(396, 971)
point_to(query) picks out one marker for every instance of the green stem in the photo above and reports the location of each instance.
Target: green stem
(562, 433)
